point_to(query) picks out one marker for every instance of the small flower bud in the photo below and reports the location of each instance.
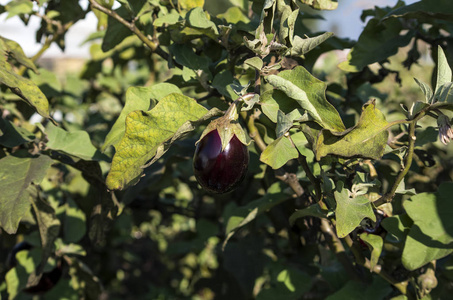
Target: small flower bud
(445, 130)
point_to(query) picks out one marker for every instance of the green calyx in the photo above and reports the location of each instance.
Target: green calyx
(227, 126)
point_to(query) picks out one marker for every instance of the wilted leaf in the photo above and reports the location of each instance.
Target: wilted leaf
(309, 92)
(366, 139)
(350, 211)
(16, 175)
(279, 152)
(76, 143)
(137, 98)
(431, 235)
(145, 132)
(375, 243)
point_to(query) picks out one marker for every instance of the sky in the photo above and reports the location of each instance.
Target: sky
(344, 22)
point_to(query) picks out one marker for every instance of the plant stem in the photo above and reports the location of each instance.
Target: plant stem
(407, 165)
(131, 25)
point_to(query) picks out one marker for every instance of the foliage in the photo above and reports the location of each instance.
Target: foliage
(349, 183)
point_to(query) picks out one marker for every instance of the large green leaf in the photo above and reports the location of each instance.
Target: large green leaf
(309, 92)
(145, 132)
(116, 32)
(16, 175)
(279, 152)
(443, 70)
(137, 98)
(378, 41)
(367, 138)
(431, 235)
(350, 210)
(74, 143)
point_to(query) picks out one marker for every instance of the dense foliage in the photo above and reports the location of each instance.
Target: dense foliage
(349, 181)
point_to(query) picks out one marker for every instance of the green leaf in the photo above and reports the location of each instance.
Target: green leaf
(367, 138)
(357, 290)
(350, 211)
(443, 70)
(427, 91)
(375, 243)
(145, 132)
(189, 4)
(302, 46)
(321, 4)
(309, 93)
(76, 143)
(137, 98)
(19, 7)
(431, 235)
(47, 82)
(397, 227)
(246, 214)
(16, 176)
(74, 226)
(197, 18)
(273, 101)
(424, 10)
(13, 136)
(185, 56)
(444, 93)
(313, 210)
(255, 62)
(378, 41)
(279, 152)
(287, 283)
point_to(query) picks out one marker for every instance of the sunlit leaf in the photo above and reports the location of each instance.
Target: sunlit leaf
(279, 152)
(145, 132)
(16, 175)
(302, 46)
(322, 4)
(367, 138)
(137, 98)
(309, 93)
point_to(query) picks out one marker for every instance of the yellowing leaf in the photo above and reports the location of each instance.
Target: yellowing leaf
(145, 132)
(189, 4)
(366, 139)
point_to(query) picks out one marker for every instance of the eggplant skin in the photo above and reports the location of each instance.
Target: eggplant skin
(220, 171)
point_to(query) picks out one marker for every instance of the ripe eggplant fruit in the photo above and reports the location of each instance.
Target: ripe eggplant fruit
(221, 158)
(220, 171)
